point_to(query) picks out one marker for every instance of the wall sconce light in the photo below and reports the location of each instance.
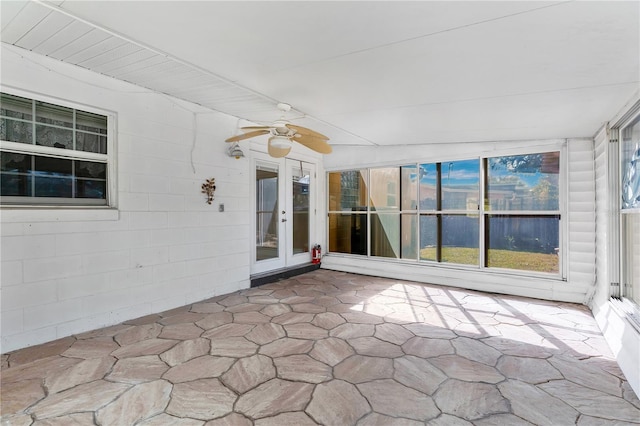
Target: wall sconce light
(235, 151)
(209, 188)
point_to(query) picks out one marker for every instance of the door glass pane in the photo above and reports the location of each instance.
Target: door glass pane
(428, 237)
(460, 185)
(267, 214)
(460, 239)
(348, 233)
(16, 131)
(524, 182)
(428, 186)
(409, 189)
(348, 190)
(301, 184)
(385, 235)
(524, 242)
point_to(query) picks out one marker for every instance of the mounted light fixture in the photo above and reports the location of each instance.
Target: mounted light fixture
(235, 151)
(281, 142)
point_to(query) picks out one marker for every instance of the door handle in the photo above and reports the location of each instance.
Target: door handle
(283, 220)
(283, 212)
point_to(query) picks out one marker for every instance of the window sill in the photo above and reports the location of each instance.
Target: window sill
(15, 214)
(628, 310)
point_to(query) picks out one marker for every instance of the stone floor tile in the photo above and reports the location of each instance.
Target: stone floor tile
(361, 318)
(457, 367)
(144, 347)
(285, 419)
(587, 375)
(582, 399)
(530, 370)
(91, 348)
(310, 308)
(244, 308)
(427, 348)
(275, 310)
(470, 401)
(137, 369)
(326, 301)
(287, 346)
(502, 420)
(78, 419)
(393, 399)
(293, 318)
(263, 300)
(207, 308)
(237, 347)
(167, 420)
(274, 397)
(418, 373)
(392, 333)
(375, 419)
(449, 420)
(375, 347)
(199, 368)
(84, 372)
(247, 373)
(38, 369)
(186, 350)
(250, 318)
(305, 331)
(476, 350)
(337, 403)
(138, 333)
(595, 421)
(45, 350)
(4, 361)
(293, 300)
(181, 331)
(232, 300)
(17, 396)
(86, 397)
(228, 330)
(302, 368)
(328, 320)
(266, 333)
(515, 348)
(351, 331)
(215, 320)
(360, 369)
(138, 403)
(203, 399)
(526, 402)
(331, 350)
(147, 319)
(103, 332)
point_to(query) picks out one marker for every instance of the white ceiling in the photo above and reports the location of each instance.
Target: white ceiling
(364, 73)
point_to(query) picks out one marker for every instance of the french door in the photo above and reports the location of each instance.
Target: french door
(284, 222)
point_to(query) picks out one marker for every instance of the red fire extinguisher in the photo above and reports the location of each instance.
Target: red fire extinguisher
(316, 254)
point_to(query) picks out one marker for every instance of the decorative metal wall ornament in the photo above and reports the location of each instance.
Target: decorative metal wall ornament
(209, 188)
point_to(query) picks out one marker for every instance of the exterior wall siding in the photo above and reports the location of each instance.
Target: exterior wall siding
(66, 271)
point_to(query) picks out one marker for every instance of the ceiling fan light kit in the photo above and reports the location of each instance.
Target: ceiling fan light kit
(283, 134)
(282, 142)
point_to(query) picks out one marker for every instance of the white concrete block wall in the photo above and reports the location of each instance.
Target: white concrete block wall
(66, 271)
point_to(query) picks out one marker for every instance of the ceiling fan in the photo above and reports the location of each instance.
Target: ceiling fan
(283, 134)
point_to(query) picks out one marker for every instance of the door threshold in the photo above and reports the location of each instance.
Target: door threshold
(281, 274)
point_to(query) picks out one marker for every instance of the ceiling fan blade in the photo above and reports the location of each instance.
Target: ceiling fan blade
(244, 129)
(277, 152)
(309, 132)
(318, 145)
(247, 135)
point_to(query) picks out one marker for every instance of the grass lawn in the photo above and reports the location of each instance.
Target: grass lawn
(538, 262)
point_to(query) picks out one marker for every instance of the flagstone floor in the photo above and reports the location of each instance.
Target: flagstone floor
(329, 348)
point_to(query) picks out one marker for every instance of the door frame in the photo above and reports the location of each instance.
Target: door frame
(285, 258)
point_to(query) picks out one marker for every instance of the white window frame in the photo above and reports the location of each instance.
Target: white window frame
(18, 202)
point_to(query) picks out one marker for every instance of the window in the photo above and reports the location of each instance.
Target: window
(433, 213)
(51, 154)
(630, 209)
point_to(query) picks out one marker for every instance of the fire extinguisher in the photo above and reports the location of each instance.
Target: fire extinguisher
(316, 254)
